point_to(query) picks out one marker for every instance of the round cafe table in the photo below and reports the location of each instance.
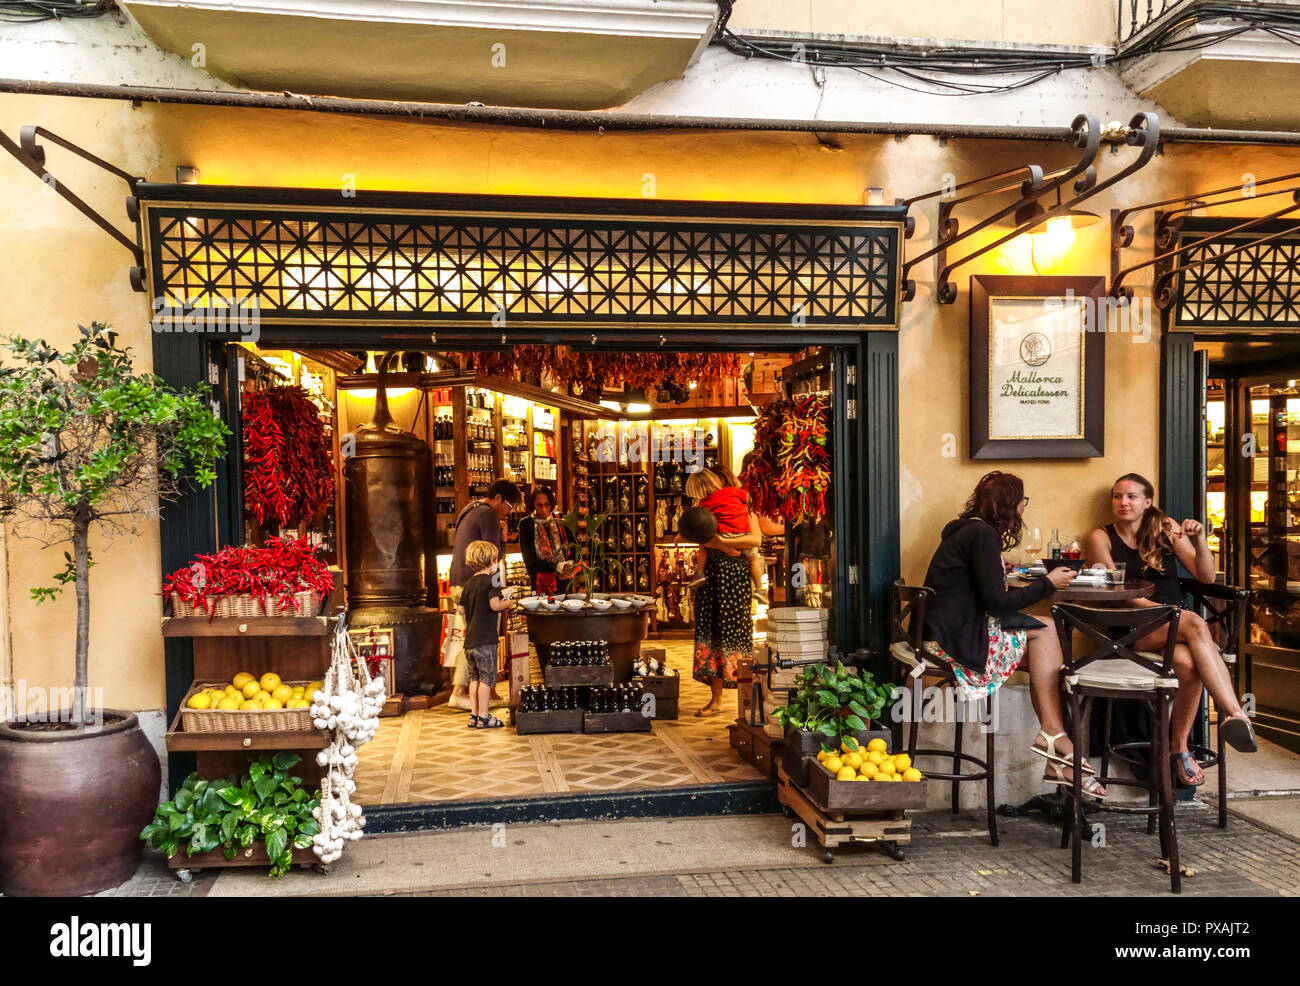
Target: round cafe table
(1106, 595)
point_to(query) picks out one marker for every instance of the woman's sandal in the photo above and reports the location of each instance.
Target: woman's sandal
(1055, 774)
(489, 722)
(1050, 754)
(707, 710)
(1238, 733)
(473, 721)
(1185, 768)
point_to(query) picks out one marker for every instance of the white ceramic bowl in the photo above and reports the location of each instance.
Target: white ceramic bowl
(573, 604)
(600, 595)
(601, 604)
(622, 603)
(530, 603)
(573, 595)
(550, 607)
(557, 597)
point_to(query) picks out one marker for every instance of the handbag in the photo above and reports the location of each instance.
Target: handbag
(1021, 621)
(453, 639)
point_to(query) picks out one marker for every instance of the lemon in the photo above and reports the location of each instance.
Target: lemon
(270, 682)
(833, 764)
(309, 693)
(849, 745)
(875, 757)
(282, 693)
(201, 700)
(888, 763)
(877, 746)
(902, 761)
(869, 770)
(853, 760)
(241, 679)
(261, 695)
(228, 703)
(862, 777)
(232, 690)
(298, 691)
(845, 774)
(297, 703)
(249, 704)
(272, 703)
(911, 774)
(250, 688)
(822, 755)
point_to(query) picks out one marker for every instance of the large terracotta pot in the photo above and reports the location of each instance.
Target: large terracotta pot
(623, 630)
(72, 804)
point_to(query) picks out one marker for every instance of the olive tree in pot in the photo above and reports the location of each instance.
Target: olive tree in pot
(86, 444)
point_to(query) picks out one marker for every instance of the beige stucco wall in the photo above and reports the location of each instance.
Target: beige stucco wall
(56, 269)
(1022, 21)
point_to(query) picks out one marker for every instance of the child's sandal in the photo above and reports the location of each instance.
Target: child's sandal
(473, 721)
(490, 722)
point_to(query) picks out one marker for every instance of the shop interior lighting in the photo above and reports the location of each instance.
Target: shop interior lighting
(187, 174)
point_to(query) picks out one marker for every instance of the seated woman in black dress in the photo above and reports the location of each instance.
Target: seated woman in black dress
(544, 543)
(974, 625)
(1151, 544)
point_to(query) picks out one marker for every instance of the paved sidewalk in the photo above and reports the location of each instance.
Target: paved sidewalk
(752, 856)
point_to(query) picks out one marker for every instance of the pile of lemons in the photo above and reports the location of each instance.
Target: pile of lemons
(246, 693)
(853, 763)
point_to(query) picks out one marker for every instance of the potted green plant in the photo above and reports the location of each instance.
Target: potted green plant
(86, 444)
(832, 707)
(266, 818)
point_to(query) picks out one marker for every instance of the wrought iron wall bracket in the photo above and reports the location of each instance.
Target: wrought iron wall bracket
(1166, 234)
(1168, 223)
(31, 156)
(1143, 131)
(1085, 133)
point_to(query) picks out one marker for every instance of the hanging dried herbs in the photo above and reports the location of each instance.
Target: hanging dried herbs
(790, 472)
(288, 472)
(584, 370)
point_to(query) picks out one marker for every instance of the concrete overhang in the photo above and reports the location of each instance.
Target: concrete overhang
(1248, 81)
(564, 54)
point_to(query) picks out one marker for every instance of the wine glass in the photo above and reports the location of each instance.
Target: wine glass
(1033, 546)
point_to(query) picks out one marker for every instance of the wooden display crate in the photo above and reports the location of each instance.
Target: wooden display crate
(559, 721)
(254, 855)
(666, 688)
(852, 796)
(616, 722)
(799, 749)
(756, 747)
(598, 674)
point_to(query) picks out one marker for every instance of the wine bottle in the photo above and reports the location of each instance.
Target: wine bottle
(1054, 545)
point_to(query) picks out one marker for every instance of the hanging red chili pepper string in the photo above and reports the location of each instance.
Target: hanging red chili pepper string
(288, 473)
(273, 575)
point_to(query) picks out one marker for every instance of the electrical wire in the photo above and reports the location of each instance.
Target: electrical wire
(34, 11)
(951, 72)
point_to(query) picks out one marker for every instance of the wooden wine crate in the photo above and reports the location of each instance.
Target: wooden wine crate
(757, 747)
(598, 674)
(799, 749)
(616, 722)
(560, 721)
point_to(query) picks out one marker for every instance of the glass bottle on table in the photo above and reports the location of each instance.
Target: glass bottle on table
(1054, 545)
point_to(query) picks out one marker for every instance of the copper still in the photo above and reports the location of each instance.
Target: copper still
(391, 569)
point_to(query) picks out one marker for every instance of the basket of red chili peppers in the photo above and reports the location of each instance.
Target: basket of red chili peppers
(283, 578)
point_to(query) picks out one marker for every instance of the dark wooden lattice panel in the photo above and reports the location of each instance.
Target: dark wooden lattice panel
(1256, 287)
(542, 270)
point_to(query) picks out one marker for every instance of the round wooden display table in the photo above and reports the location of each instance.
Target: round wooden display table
(623, 630)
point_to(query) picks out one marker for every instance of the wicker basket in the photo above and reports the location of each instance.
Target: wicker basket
(246, 607)
(245, 721)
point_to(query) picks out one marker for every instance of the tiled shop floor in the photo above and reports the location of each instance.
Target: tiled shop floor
(430, 756)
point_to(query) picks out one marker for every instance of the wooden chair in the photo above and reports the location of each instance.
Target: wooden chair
(1113, 669)
(907, 620)
(1228, 625)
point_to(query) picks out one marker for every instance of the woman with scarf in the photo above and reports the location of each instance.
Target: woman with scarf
(544, 543)
(724, 630)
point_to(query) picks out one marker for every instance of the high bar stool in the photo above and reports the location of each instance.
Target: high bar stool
(1113, 669)
(907, 619)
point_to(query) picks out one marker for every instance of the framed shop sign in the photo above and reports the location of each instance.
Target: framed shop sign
(1037, 367)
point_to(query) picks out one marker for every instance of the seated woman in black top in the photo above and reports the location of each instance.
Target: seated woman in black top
(544, 543)
(973, 624)
(1151, 544)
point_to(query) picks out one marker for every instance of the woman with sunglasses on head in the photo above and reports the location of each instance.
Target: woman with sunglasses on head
(974, 623)
(1151, 544)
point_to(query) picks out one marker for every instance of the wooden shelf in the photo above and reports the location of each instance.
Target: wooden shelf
(261, 626)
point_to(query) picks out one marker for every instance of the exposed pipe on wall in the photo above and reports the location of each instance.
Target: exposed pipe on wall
(506, 116)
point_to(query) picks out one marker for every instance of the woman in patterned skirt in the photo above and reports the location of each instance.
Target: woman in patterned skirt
(973, 624)
(724, 629)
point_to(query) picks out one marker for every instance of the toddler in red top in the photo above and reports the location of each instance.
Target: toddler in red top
(729, 503)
